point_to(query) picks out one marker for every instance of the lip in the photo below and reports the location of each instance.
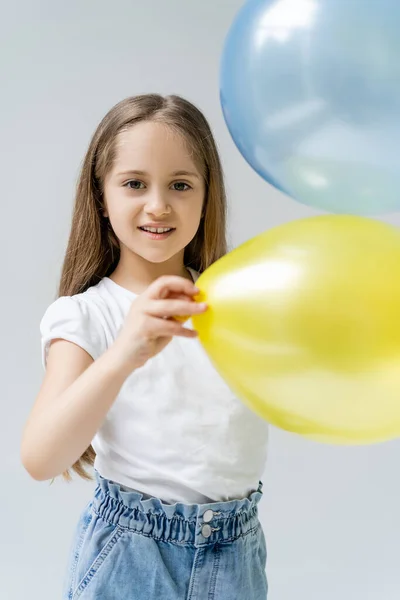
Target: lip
(154, 224)
(156, 236)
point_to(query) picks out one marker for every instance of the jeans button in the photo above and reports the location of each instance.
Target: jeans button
(208, 516)
(206, 531)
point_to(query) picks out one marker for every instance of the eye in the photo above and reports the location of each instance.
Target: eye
(181, 186)
(134, 184)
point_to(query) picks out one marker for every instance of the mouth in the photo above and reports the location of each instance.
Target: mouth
(157, 233)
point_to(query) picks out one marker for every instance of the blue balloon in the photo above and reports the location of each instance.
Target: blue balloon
(310, 91)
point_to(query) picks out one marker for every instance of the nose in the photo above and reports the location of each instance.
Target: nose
(156, 203)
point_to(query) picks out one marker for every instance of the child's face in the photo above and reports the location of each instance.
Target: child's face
(154, 183)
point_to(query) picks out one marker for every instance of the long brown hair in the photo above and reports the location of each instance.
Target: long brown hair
(93, 249)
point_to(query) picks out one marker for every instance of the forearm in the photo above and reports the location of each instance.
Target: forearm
(57, 436)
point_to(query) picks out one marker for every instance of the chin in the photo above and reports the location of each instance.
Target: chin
(156, 254)
(157, 257)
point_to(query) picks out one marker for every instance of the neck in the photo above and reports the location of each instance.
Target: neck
(136, 274)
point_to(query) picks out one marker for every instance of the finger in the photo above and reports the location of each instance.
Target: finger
(175, 308)
(186, 333)
(163, 286)
(176, 296)
(161, 328)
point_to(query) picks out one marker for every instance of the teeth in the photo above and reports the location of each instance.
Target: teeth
(157, 229)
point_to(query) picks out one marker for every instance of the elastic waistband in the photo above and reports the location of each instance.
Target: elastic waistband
(188, 524)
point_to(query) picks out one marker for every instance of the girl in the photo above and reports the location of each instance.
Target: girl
(128, 388)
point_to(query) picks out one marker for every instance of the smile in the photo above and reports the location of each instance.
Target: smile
(157, 233)
(157, 229)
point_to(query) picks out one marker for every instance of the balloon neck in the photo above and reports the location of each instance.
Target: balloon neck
(200, 297)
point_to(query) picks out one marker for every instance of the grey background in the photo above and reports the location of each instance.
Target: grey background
(331, 515)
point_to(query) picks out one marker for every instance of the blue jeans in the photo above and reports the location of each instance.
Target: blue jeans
(127, 548)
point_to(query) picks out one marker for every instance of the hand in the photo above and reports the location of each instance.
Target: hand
(150, 323)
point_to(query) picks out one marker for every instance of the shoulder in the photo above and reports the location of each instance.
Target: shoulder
(79, 307)
(77, 319)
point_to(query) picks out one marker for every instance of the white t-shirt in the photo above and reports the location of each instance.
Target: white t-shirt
(175, 431)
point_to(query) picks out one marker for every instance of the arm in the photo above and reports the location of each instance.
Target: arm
(73, 401)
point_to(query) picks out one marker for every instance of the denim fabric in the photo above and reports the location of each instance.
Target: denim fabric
(128, 548)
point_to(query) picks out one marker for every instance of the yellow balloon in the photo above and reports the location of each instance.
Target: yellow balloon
(304, 325)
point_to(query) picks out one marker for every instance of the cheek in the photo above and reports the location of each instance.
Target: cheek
(122, 211)
(192, 212)
(191, 220)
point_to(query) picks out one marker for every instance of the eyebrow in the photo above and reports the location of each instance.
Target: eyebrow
(173, 174)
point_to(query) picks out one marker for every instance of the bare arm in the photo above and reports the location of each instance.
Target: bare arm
(73, 401)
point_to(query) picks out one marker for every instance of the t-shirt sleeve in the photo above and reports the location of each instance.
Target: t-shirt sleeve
(72, 319)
